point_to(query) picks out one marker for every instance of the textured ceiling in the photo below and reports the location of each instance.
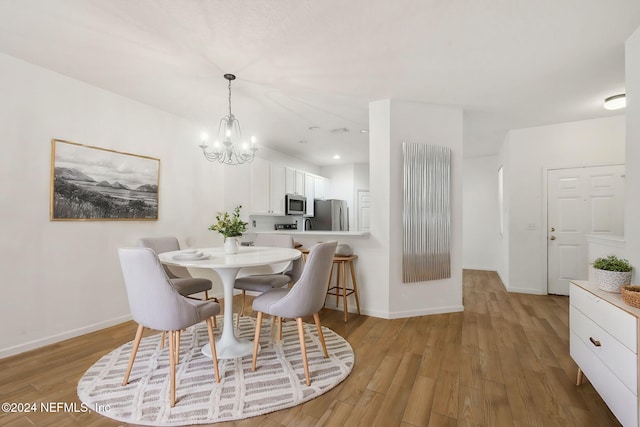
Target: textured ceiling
(303, 63)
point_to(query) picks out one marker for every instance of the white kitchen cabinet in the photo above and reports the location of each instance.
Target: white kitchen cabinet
(604, 344)
(276, 194)
(267, 188)
(309, 191)
(294, 181)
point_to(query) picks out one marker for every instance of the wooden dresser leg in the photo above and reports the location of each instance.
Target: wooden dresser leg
(580, 377)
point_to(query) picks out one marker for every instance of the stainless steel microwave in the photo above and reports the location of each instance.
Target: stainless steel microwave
(295, 204)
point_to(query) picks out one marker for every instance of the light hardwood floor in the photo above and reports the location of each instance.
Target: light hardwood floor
(504, 361)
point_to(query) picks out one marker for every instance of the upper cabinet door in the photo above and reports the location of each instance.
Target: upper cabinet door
(277, 190)
(289, 180)
(309, 192)
(300, 183)
(267, 188)
(294, 181)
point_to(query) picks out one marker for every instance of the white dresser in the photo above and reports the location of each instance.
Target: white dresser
(604, 344)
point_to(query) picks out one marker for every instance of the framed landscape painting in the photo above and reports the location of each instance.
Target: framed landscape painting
(92, 183)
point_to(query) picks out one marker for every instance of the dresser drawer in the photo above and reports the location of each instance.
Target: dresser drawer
(618, 323)
(622, 402)
(621, 361)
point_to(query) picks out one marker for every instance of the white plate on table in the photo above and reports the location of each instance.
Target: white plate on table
(191, 257)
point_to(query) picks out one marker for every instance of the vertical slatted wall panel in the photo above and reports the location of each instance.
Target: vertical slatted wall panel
(426, 217)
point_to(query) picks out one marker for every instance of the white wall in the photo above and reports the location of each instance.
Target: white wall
(480, 216)
(62, 279)
(392, 122)
(632, 206)
(531, 152)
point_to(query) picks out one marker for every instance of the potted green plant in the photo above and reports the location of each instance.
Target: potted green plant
(612, 272)
(231, 227)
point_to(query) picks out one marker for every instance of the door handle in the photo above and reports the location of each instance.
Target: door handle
(552, 238)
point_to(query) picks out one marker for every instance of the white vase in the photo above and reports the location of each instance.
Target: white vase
(611, 281)
(231, 245)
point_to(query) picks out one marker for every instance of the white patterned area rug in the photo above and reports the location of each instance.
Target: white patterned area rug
(277, 383)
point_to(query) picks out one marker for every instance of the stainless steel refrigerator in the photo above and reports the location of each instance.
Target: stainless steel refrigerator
(331, 214)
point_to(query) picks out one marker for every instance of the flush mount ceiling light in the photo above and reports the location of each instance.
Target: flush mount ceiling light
(233, 150)
(615, 102)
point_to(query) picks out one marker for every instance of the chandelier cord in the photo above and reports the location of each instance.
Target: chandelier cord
(229, 98)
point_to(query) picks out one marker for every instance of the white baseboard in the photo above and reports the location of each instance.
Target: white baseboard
(410, 313)
(526, 291)
(41, 342)
(467, 267)
(425, 312)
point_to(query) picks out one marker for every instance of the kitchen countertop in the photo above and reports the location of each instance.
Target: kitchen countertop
(315, 233)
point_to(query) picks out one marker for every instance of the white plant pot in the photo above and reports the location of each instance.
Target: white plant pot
(611, 281)
(231, 245)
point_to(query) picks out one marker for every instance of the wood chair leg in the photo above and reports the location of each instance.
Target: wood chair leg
(256, 341)
(172, 366)
(344, 292)
(177, 336)
(580, 377)
(164, 334)
(273, 328)
(244, 296)
(337, 284)
(303, 349)
(134, 351)
(328, 285)
(355, 285)
(212, 344)
(316, 317)
(279, 328)
(207, 298)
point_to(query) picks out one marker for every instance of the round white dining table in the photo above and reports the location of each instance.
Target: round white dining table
(227, 266)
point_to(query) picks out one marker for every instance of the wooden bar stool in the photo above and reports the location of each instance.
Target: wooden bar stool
(341, 278)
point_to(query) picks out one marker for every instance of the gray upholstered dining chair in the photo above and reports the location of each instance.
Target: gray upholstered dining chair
(180, 276)
(305, 298)
(155, 304)
(265, 282)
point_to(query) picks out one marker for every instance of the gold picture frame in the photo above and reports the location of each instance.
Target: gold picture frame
(97, 184)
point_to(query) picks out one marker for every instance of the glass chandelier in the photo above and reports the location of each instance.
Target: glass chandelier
(233, 150)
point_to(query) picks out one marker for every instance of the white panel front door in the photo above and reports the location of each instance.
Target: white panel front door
(580, 201)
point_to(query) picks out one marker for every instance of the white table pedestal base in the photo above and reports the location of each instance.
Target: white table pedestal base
(228, 346)
(239, 348)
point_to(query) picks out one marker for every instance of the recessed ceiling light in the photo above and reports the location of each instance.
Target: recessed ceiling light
(336, 157)
(615, 102)
(364, 130)
(339, 130)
